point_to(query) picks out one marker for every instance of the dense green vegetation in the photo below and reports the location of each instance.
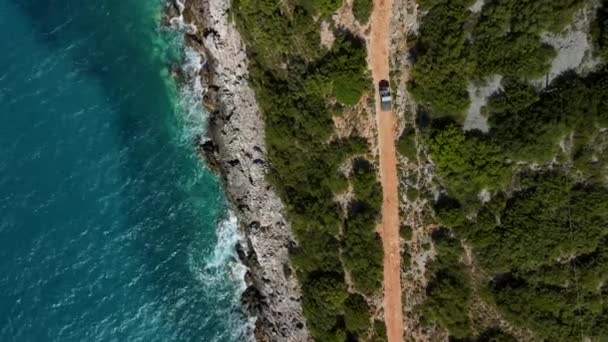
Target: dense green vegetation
(362, 9)
(570, 104)
(455, 47)
(546, 252)
(323, 304)
(347, 70)
(526, 126)
(489, 335)
(379, 332)
(599, 31)
(515, 96)
(299, 86)
(468, 162)
(552, 218)
(442, 67)
(362, 246)
(449, 292)
(406, 259)
(356, 315)
(323, 6)
(545, 247)
(261, 22)
(539, 237)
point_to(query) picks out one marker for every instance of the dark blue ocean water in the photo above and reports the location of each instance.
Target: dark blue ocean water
(109, 223)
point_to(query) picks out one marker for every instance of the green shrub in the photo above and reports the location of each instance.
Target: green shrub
(406, 145)
(362, 9)
(324, 6)
(317, 252)
(323, 301)
(515, 96)
(533, 133)
(406, 260)
(448, 292)
(406, 232)
(599, 32)
(348, 69)
(447, 304)
(356, 315)
(379, 331)
(468, 163)
(362, 252)
(441, 68)
(365, 184)
(532, 243)
(261, 21)
(412, 194)
(494, 335)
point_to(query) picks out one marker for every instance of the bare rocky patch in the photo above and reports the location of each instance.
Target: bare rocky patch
(358, 121)
(479, 96)
(573, 46)
(344, 19)
(477, 6)
(327, 35)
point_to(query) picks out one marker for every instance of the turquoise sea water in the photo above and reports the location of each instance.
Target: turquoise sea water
(110, 227)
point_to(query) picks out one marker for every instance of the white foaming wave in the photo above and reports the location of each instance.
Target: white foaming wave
(193, 115)
(222, 265)
(190, 90)
(178, 22)
(225, 252)
(227, 238)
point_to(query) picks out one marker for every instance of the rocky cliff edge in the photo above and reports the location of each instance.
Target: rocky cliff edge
(236, 149)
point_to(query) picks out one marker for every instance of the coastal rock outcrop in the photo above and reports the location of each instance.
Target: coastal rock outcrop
(238, 152)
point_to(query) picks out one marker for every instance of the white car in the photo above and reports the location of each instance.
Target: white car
(385, 95)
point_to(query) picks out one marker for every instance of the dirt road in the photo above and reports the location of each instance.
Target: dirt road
(379, 62)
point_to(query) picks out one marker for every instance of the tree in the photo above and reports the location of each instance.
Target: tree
(323, 301)
(356, 314)
(468, 163)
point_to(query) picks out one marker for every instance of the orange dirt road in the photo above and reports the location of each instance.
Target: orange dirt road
(378, 46)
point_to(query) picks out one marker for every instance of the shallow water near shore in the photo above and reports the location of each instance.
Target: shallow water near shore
(110, 227)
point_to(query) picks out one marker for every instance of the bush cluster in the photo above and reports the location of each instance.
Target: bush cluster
(531, 131)
(379, 332)
(542, 243)
(362, 245)
(442, 66)
(599, 32)
(362, 9)
(468, 162)
(526, 126)
(545, 249)
(456, 47)
(356, 315)
(449, 290)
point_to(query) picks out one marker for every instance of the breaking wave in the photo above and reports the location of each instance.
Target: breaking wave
(220, 267)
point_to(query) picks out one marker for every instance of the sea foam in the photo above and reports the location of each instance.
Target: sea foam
(222, 264)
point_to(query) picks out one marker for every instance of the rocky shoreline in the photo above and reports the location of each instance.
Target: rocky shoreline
(235, 148)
